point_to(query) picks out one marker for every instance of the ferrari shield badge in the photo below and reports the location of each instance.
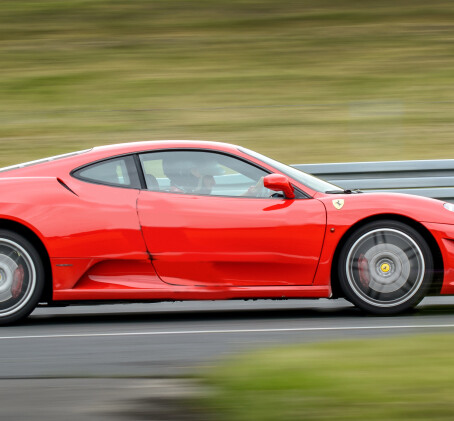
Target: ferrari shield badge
(338, 203)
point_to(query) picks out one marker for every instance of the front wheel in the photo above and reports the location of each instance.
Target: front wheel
(385, 267)
(21, 277)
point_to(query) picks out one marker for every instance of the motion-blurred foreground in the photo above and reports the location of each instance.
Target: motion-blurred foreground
(406, 378)
(311, 81)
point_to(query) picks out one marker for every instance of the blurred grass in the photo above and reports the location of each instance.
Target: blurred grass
(409, 378)
(302, 81)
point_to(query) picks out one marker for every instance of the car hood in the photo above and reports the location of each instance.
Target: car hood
(421, 209)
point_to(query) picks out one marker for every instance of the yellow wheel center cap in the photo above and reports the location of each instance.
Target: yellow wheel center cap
(385, 267)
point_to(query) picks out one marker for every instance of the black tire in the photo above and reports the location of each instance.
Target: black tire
(385, 267)
(21, 277)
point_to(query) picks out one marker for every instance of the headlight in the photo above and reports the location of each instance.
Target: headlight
(449, 206)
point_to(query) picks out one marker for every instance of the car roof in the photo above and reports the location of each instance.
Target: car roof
(48, 166)
(130, 147)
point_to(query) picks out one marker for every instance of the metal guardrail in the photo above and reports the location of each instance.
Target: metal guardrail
(434, 178)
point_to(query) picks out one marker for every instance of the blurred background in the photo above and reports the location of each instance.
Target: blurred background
(302, 81)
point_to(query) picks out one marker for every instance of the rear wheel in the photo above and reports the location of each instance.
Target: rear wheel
(21, 277)
(385, 267)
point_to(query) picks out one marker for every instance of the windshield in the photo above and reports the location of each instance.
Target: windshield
(40, 161)
(308, 180)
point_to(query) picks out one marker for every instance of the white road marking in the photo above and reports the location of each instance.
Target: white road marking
(201, 332)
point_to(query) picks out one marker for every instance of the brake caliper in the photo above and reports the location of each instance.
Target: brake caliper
(363, 269)
(18, 280)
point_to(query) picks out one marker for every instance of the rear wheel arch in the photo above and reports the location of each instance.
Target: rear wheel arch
(35, 240)
(421, 229)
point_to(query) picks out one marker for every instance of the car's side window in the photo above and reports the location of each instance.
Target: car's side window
(203, 173)
(120, 171)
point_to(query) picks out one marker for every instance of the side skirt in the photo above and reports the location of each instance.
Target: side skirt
(193, 293)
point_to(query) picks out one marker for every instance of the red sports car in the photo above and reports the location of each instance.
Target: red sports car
(184, 220)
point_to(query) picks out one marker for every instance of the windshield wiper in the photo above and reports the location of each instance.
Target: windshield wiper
(346, 191)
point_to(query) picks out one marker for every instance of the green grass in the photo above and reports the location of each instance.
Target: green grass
(409, 378)
(303, 81)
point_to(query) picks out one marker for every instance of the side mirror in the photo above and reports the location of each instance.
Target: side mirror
(279, 182)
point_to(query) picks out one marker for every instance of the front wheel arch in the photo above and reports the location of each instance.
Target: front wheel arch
(422, 230)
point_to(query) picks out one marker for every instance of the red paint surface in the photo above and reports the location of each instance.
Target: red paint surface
(232, 241)
(202, 247)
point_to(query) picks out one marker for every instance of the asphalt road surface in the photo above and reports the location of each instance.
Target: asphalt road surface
(80, 362)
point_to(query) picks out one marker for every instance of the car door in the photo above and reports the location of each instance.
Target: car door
(207, 220)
